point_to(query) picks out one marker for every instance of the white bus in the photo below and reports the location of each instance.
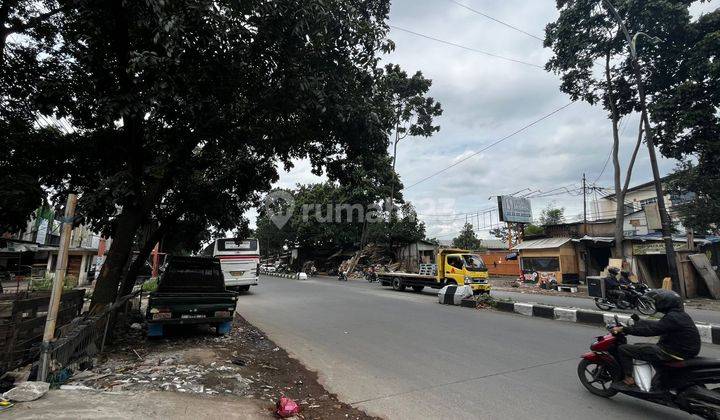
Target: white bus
(240, 262)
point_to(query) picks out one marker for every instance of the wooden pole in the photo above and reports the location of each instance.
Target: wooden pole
(58, 282)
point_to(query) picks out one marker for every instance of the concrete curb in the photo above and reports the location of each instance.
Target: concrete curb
(709, 333)
(281, 275)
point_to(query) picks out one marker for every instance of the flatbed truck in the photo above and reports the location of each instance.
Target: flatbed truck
(453, 267)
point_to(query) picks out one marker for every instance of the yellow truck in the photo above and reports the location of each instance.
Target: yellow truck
(452, 267)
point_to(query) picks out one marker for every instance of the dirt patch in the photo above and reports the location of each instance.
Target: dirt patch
(244, 364)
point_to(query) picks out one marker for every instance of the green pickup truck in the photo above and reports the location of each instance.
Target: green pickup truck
(191, 290)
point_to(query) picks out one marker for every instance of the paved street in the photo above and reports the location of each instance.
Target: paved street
(699, 315)
(401, 355)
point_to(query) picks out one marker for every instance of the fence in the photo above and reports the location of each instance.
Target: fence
(22, 321)
(82, 339)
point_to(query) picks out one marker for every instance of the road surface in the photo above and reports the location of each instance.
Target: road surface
(699, 315)
(401, 355)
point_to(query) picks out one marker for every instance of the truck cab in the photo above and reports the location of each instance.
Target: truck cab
(463, 268)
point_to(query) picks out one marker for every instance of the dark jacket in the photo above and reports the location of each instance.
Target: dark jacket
(678, 334)
(611, 282)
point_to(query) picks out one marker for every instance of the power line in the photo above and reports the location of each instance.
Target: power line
(520, 130)
(465, 48)
(497, 20)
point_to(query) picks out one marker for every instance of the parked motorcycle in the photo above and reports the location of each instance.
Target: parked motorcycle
(371, 276)
(342, 276)
(680, 384)
(635, 299)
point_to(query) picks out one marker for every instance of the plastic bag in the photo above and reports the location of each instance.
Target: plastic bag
(287, 407)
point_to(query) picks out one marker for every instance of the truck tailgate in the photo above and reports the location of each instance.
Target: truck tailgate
(170, 307)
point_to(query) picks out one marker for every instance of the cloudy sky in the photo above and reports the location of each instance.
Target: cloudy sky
(485, 99)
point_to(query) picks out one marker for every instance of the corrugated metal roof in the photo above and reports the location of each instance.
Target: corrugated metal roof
(542, 243)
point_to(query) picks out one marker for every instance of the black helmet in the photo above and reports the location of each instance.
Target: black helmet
(614, 271)
(666, 300)
(625, 273)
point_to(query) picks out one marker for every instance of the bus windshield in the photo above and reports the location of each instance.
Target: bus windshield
(473, 263)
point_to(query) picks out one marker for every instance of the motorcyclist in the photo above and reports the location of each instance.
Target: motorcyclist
(612, 286)
(624, 280)
(679, 337)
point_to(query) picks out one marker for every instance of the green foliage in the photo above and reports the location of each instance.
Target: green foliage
(414, 112)
(531, 229)
(321, 227)
(552, 215)
(687, 123)
(150, 285)
(467, 239)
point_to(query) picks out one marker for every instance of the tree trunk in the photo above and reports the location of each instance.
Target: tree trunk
(106, 286)
(143, 253)
(619, 193)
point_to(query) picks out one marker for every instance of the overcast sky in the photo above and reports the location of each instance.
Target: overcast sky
(485, 99)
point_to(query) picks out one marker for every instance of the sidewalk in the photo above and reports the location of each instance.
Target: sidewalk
(85, 404)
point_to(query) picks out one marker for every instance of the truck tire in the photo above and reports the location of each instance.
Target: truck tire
(398, 285)
(418, 289)
(243, 288)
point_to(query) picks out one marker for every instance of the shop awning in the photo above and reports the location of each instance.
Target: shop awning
(544, 243)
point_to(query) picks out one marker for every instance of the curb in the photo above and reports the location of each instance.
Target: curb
(709, 333)
(281, 275)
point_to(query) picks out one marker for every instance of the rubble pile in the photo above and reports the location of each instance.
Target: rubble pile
(192, 360)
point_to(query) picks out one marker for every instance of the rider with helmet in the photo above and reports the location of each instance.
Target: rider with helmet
(612, 287)
(679, 337)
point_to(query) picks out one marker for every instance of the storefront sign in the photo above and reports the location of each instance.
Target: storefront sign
(656, 248)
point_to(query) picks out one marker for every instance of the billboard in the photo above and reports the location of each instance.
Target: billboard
(514, 209)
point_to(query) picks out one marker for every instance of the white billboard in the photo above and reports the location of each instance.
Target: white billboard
(514, 209)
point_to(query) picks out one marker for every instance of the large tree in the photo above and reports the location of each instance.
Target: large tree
(413, 112)
(587, 33)
(686, 99)
(153, 88)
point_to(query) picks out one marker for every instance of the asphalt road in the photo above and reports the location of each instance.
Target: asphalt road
(401, 355)
(699, 315)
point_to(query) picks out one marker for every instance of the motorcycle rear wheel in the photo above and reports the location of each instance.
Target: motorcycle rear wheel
(646, 305)
(603, 304)
(592, 374)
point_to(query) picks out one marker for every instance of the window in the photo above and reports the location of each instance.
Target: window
(474, 263)
(455, 261)
(541, 263)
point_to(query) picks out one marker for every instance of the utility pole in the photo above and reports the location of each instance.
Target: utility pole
(58, 282)
(664, 217)
(584, 206)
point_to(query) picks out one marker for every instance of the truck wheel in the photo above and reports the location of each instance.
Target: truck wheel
(398, 285)
(418, 289)
(243, 288)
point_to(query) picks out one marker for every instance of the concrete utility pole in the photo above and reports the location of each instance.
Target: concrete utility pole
(664, 217)
(58, 282)
(584, 205)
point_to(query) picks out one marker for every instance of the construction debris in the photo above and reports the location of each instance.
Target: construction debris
(27, 391)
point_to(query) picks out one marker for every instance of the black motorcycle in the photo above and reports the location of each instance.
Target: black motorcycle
(342, 276)
(681, 384)
(635, 299)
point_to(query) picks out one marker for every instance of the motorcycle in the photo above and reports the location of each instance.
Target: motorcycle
(680, 384)
(635, 299)
(371, 276)
(342, 276)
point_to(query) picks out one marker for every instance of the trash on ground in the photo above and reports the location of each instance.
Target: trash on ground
(287, 407)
